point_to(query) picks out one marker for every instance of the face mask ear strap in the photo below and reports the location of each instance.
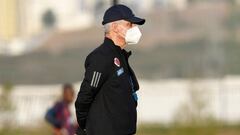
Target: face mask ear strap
(121, 33)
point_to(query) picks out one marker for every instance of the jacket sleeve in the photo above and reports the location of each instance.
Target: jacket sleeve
(96, 74)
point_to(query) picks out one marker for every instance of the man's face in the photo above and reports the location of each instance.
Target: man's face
(121, 27)
(68, 95)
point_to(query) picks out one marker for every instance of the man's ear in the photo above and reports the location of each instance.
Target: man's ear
(114, 27)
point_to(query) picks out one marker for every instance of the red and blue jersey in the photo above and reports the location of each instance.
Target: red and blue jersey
(60, 117)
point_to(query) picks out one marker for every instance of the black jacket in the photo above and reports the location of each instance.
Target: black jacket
(106, 103)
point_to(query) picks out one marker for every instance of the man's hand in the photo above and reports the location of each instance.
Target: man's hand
(62, 131)
(81, 132)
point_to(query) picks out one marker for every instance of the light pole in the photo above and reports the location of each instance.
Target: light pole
(115, 2)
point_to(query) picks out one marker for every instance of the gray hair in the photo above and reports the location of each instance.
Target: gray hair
(107, 26)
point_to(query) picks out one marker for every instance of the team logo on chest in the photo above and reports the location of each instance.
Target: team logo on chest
(117, 62)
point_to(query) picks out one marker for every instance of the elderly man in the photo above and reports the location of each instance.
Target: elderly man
(107, 100)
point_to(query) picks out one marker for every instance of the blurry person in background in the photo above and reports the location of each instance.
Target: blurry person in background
(59, 116)
(107, 100)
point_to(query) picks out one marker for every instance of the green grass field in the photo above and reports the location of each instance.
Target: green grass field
(143, 130)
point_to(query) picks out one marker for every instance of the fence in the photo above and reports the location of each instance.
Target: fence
(160, 101)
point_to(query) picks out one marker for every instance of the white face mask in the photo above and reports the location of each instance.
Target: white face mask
(133, 35)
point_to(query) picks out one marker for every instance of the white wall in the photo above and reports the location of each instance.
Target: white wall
(158, 100)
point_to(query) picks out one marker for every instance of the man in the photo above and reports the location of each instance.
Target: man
(59, 116)
(106, 103)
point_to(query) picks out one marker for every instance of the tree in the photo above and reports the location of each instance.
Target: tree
(49, 19)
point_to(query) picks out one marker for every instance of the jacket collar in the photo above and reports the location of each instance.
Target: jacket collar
(110, 43)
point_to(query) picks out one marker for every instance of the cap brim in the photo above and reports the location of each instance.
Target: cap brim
(136, 20)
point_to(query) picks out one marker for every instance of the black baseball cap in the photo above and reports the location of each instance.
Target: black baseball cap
(121, 12)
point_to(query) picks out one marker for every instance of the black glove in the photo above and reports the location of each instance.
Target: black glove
(81, 132)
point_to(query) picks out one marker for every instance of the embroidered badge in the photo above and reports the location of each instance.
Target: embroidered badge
(117, 62)
(120, 71)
